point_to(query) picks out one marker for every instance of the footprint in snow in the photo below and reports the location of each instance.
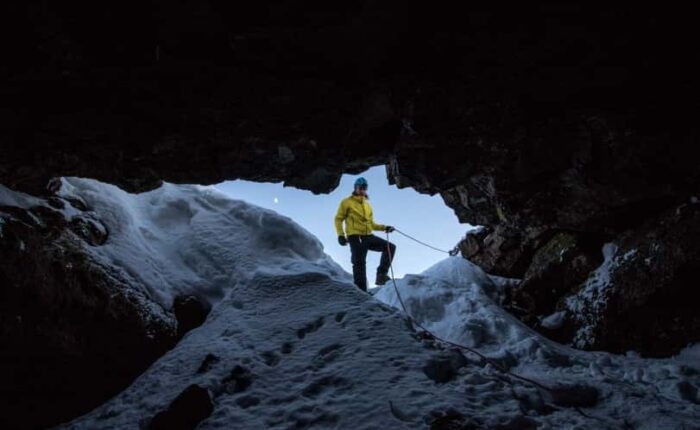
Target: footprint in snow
(238, 380)
(207, 363)
(270, 358)
(286, 348)
(325, 356)
(325, 383)
(310, 327)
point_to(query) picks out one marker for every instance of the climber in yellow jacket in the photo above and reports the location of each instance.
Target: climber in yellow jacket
(356, 212)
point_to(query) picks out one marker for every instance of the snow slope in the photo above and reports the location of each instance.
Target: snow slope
(181, 239)
(451, 299)
(318, 353)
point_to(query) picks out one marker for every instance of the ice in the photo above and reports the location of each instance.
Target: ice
(291, 343)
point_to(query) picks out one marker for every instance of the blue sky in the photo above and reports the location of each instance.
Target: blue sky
(422, 216)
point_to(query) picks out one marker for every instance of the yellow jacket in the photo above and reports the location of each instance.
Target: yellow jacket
(357, 213)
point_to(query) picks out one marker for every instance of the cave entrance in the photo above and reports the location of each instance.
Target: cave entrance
(425, 217)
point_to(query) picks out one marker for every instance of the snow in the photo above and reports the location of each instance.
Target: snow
(554, 320)
(10, 197)
(322, 354)
(637, 393)
(458, 306)
(188, 239)
(13, 198)
(691, 353)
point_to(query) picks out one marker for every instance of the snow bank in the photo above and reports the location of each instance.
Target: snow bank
(451, 298)
(188, 239)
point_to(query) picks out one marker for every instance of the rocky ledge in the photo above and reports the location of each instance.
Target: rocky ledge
(74, 330)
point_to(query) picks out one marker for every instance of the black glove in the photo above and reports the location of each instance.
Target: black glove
(389, 229)
(342, 240)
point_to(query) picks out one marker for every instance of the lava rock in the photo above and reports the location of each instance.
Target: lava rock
(73, 332)
(189, 408)
(453, 420)
(650, 299)
(557, 270)
(190, 312)
(473, 242)
(444, 367)
(573, 396)
(238, 380)
(89, 229)
(688, 392)
(209, 361)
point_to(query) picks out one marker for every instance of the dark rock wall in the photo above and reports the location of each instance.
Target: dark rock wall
(505, 102)
(73, 332)
(651, 308)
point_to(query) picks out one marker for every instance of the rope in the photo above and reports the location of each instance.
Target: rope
(550, 390)
(454, 251)
(448, 342)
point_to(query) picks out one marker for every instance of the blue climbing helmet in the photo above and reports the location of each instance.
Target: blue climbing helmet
(361, 182)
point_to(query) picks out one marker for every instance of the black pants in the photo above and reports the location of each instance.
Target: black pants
(359, 245)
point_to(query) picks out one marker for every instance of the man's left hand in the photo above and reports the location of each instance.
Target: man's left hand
(389, 229)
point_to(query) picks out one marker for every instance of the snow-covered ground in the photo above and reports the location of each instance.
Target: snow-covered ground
(454, 300)
(316, 352)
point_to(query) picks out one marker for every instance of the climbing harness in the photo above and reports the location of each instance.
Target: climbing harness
(448, 342)
(454, 251)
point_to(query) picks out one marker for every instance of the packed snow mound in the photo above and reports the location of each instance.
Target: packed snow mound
(189, 239)
(457, 271)
(304, 351)
(452, 298)
(293, 344)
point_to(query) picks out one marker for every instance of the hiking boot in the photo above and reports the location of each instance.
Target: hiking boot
(382, 278)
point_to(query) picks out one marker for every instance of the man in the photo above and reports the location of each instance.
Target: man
(356, 212)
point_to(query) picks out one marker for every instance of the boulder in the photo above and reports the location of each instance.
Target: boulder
(186, 411)
(73, 332)
(190, 312)
(636, 293)
(556, 269)
(644, 299)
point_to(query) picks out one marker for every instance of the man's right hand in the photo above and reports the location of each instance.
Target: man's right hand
(342, 240)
